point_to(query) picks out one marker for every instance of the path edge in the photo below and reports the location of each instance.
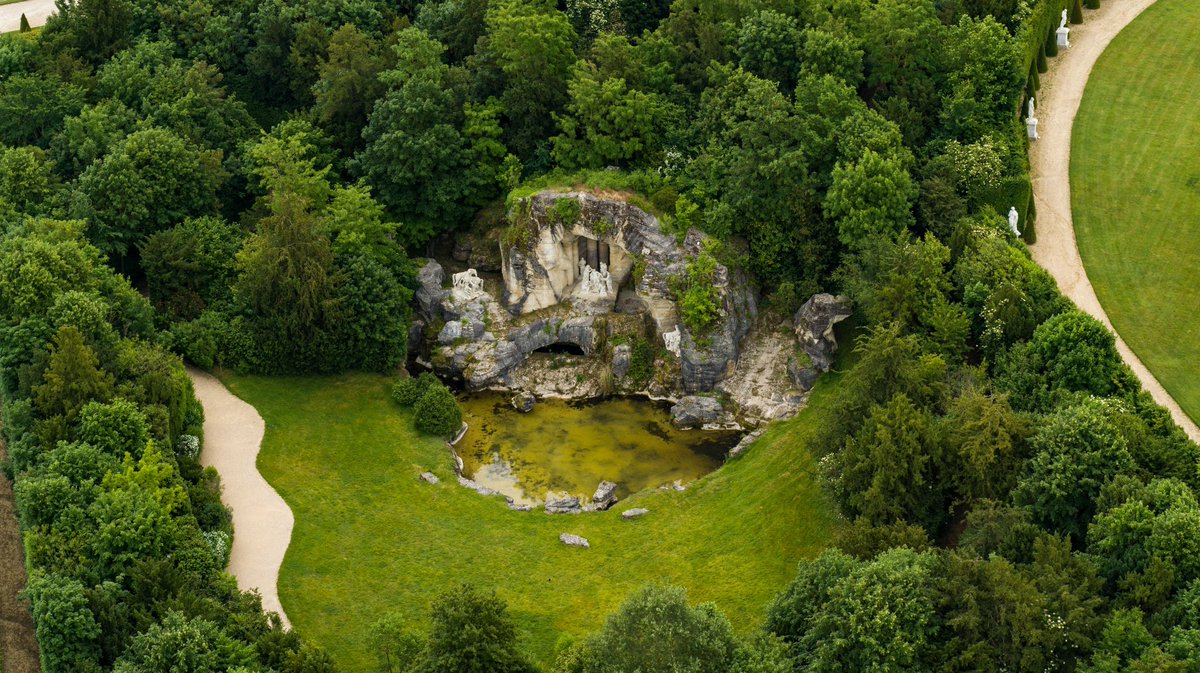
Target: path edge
(1056, 249)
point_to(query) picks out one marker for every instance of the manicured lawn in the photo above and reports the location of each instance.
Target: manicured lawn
(371, 538)
(1135, 191)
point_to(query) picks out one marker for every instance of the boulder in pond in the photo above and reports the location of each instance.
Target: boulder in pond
(523, 401)
(605, 496)
(694, 410)
(573, 540)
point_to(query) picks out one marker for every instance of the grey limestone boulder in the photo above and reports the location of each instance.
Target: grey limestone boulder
(562, 503)
(430, 292)
(573, 540)
(694, 411)
(634, 513)
(622, 355)
(708, 359)
(814, 324)
(523, 401)
(429, 478)
(605, 496)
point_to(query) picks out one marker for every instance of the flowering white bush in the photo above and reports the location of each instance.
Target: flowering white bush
(220, 543)
(188, 445)
(592, 17)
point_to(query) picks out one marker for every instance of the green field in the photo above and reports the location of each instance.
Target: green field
(1135, 191)
(371, 538)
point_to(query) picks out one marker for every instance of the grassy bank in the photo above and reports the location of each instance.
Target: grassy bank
(1135, 191)
(371, 538)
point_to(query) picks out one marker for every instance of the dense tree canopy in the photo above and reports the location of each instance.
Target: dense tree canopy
(242, 184)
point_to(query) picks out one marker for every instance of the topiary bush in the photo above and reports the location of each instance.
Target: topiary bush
(408, 391)
(437, 412)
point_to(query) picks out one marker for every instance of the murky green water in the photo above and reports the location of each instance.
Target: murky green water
(573, 446)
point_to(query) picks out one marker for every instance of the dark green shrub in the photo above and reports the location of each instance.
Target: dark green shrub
(25, 24)
(408, 392)
(1052, 41)
(1076, 12)
(437, 412)
(1092, 4)
(699, 300)
(566, 211)
(641, 362)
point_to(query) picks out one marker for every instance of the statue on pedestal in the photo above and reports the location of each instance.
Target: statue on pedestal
(1031, 122)
(1013, 219)
(1063, 32)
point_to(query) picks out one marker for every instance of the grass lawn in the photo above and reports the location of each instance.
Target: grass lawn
(1135, 191)
(371, 538)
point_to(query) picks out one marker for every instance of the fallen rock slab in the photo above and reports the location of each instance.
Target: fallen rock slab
(634, 513)
(562, 504)
(429, 477)
(694, 410)
(573, 540)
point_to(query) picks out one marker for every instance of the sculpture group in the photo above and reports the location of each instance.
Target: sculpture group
(467, 285)
(592, 281)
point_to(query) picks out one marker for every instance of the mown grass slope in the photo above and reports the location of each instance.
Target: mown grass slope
(370, 537)
(1135, 191)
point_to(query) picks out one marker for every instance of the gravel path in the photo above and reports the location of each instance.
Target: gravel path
(17, 642)
(37, 11)
(1050, 156)
(262, 521)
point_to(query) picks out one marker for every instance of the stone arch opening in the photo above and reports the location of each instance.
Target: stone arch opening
(562, 348)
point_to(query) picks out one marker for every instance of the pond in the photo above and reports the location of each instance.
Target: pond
(572, 446)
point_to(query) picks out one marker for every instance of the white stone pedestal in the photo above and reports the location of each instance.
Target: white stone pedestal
(1063, 32)
(1031, 127)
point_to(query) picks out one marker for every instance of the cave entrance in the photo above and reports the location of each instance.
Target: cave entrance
(564, 348)
(593, 252)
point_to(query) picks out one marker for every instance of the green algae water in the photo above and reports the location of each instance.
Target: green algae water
(572, 446)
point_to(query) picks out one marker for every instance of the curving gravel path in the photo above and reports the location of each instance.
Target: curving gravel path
(37, 11)
(1050, 159)
(262, 521)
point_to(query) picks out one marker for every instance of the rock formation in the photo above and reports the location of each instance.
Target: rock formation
(814, 324)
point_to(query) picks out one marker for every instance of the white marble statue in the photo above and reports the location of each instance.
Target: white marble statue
(671, 340)
(467, 285)
(592, 281)
(1031, 122)
(1013, 219)
(1064, 20)
(1063, 33)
